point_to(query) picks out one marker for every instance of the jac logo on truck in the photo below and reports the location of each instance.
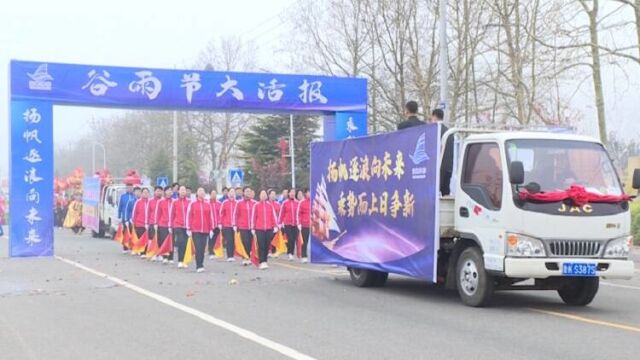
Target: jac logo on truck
(584, 209)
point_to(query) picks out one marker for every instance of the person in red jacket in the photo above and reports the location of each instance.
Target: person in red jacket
(241, 220)
(140, 217)
(273, 199)
(264, 224)
(226, 223)
(200, 225)
(303, 216)
(215, 207)
(178, 223)
(287, 219)
(151, 218)
(162, 216)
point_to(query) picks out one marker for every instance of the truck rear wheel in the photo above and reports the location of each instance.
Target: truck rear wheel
(580, 291)
(475, 285)
(367, 278)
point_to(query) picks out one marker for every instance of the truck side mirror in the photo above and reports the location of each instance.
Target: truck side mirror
(636, 179)
(516, 173)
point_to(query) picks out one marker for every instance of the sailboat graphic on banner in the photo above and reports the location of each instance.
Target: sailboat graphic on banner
(40, 79)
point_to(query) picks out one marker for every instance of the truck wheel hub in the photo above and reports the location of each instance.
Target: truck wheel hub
(469, 277)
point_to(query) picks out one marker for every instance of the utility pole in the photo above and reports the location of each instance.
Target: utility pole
(175, 146)
(293, 154)
(444, 61)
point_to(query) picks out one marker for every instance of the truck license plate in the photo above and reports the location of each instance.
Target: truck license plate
(578, 269)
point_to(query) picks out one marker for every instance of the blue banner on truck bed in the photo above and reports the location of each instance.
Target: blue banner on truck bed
(375, 202)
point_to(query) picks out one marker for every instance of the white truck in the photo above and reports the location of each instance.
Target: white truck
(108, 208)
(528, 210)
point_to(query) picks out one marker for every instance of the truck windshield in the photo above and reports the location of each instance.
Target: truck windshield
(555, 165)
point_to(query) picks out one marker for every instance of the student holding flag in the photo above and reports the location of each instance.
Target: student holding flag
(125, 211)
(264, 224)
(161, 219)
(178, 223)
(226, 223)
(303, 217)
(141, 221)
(215, 208)
(200, 225)
(287, 218)
(241, 222)
(151, 218)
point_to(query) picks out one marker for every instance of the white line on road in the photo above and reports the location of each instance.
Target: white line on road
(249, 335)
(620, 285)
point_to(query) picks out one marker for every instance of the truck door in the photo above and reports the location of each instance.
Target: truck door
(479, 201)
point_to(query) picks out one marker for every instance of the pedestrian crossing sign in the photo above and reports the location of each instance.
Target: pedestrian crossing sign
(162, 181)
(236, 177)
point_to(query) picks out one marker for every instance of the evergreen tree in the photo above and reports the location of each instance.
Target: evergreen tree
(261, 152)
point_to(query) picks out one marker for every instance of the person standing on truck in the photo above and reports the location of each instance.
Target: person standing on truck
(125, 211)
(411, 112)
(446, 170)
(153, 203)
(226, 223)
(141, 215)
(264, 224)
(241, 220)
(200, 225)
(303, 218)
(162, 216)
(287, 218)
(178, 223)
(215, 207)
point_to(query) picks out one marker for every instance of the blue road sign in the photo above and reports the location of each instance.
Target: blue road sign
(236, 177)
(162, 181)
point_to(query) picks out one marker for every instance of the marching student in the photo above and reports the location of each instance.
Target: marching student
(125, 210)
(226, 223)
(189, 193)
(241, 222)
(162, 216)
(273, 200)
(151, 218)
(200, 224)
(303, 216)
(141, 214)
(178, 223)
(264, 224)
(287, 218)
(215, 207)
(299, 195)
(174, 190)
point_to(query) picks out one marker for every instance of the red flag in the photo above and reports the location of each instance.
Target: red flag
(255, 258)
(217, 247)
(299, 246)
(239, 247)
(152, 249)
(167, 246)
(279, 243)
(126, 239)
(119, 237)
(141, 243)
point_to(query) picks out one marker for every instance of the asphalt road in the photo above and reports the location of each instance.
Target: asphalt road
(66, 308)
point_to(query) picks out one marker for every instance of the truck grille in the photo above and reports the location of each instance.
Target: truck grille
(581, 248)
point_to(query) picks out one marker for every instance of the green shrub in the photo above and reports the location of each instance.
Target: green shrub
(635, 221)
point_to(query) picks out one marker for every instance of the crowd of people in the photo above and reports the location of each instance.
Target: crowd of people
(174, 214)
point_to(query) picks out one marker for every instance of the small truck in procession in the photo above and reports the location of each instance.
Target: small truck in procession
(525, 210)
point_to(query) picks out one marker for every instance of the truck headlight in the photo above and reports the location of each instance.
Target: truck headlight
(618, 248)
(519, 245)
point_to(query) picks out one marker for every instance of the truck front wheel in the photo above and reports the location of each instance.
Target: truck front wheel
(475, 285)
(367, 278)
(580, 291)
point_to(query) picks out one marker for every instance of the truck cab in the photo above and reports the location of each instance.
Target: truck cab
(542, 206)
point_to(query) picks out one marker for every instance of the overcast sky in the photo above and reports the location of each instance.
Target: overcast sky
(122, 33)
(152, 34)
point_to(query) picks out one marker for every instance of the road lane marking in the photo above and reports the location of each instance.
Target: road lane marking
(620, 285)
(588, 320)
(249, 335)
